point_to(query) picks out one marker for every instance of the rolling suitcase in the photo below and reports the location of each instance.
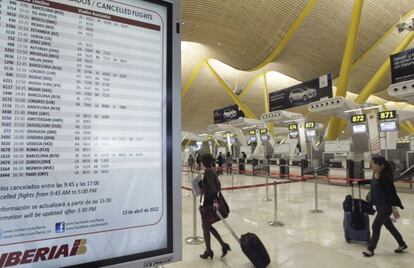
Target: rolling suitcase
(251, 246)
(356, 223)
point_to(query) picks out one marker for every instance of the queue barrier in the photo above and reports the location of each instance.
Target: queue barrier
(196, 240)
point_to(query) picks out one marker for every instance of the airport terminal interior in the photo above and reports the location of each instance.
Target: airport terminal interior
(272, 60)
(135, 132)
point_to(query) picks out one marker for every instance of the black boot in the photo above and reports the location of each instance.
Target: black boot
(225, 248)
(207, 254)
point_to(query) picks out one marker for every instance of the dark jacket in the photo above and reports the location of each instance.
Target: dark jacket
(384, 192)
(210, 186)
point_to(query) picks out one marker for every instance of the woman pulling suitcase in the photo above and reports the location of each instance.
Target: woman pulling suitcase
(210, 191)
(385, 198)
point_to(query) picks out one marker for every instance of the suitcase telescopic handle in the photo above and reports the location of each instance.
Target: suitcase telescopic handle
(228, 226)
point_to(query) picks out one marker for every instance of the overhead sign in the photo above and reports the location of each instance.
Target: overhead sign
(226, 114)
(309, 125)
(402, 66)
(359, 118)
(263, 131)
(88, 133)
(252, 132)
(301, 94)
(293, 127)
(385, 115)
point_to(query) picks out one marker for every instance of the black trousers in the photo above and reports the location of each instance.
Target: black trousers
(383, 218)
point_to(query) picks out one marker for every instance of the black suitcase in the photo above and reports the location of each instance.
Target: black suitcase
(251, 246)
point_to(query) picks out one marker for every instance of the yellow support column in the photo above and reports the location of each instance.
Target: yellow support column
(190, 80)
(347, 60)
(187, 143)
(405, 127)
(410, 126)
(250, 84)
(247, 112)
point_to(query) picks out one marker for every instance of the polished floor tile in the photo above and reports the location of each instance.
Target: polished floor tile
(307, 240)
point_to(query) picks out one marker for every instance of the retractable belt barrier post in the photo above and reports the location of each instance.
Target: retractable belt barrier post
(189, 181)
(194, 240)
(316, 210)
(275, 222)
(267, 199)
(232, 180)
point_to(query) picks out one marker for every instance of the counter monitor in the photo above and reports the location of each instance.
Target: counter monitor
(359, 129)
(293, 134)
(311, 133)
(388, 126)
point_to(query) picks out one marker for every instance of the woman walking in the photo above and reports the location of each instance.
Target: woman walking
(210, 188)
(385, 198)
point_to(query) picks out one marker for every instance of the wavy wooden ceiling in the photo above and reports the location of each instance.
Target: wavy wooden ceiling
(248, 31)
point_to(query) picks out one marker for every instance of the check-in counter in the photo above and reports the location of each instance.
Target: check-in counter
(296, 168)
(249, 167)
(278, 167)
(340, 170)
(367, 172)
(235, 166)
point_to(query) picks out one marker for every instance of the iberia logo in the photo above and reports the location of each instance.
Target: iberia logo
(43, 254)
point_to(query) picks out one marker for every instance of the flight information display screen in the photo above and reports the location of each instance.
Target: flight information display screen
(84, 165)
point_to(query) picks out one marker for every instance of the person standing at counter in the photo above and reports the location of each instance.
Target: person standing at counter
(220, 162)
(242, 162)
(191, 162)
(385, 198)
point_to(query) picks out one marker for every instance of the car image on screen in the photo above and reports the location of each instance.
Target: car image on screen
(229, 113)
(302, 94)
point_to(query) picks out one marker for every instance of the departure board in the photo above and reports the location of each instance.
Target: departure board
(83, 154)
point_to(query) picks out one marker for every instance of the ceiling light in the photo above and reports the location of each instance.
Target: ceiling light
(362, 109)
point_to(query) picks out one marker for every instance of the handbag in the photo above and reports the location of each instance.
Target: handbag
(209, 215)
(196, 185)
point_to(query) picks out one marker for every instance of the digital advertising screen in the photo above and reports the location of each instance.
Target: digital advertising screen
(359, 129)
(388, 126)
(86, 162)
